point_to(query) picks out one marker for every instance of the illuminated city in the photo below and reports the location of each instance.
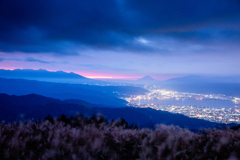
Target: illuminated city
(220, 115)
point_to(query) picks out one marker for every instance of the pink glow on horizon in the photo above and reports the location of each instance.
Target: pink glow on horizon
(112, 77)
(107, 76)
(166, 77)
(85, 74)
(124, 77)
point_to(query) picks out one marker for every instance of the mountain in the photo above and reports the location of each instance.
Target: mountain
(41, 73)
(36, 106)
(104, 95)
(146, 80)
(230, 86)
(48, 76)
(27, 100)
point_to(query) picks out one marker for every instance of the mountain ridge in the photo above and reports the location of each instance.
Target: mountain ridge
(19, 73)
(48, 76)
(142, 117)
(104, 95)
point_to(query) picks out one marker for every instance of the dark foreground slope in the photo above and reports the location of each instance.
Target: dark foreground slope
(36, 106)
(104, 95)
(95, 138)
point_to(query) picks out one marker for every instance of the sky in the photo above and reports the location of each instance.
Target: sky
(122, 39)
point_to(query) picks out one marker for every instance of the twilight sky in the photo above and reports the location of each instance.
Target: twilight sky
(122, 38)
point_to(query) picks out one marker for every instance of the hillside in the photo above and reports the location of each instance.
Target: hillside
(95, 138)
(35, 106)
(104, 95)
(48, 76)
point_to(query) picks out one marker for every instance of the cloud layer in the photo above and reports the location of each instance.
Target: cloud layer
(121, 38)
(65, 27)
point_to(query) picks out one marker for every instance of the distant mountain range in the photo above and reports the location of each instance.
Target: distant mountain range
(41, 73)
(48, 76)
(64, 77)
(230, 86)
(146, 80)
(104, 95)
(36, 106)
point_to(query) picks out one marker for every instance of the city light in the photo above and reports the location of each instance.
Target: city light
(220, 115)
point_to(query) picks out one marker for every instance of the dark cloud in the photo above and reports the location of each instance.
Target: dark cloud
(184, 15)
(9, 59)
(30, 59)
(65, 26)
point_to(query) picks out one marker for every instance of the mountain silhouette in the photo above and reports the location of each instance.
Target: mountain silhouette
(48, 76)
(104, 95)
(203, 85)
(41, 73)
(146, 80)
(35, 106)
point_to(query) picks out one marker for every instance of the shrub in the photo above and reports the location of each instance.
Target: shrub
(95, 138)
